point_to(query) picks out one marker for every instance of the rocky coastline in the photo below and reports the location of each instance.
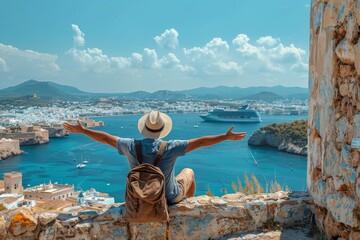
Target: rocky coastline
(7, 152)
(283, 141)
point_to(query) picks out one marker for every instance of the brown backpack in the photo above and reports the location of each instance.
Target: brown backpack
(145, 199)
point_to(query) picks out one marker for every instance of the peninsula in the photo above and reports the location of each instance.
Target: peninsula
(286, 137)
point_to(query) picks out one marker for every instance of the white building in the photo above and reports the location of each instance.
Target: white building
(92, 196)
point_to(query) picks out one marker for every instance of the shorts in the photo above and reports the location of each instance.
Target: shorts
(184, 182)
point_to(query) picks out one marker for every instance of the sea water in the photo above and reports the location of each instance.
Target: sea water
(215, 167)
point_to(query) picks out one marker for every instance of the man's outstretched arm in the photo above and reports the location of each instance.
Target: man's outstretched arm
(102, 137)
(211, 140)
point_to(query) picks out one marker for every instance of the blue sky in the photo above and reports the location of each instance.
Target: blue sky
(122, 46)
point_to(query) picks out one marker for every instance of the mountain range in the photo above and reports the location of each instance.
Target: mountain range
(51, 90)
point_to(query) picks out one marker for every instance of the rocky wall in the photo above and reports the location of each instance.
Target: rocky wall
(201, 217)
(334, 116)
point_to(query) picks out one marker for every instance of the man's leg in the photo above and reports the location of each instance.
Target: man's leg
(186, 179)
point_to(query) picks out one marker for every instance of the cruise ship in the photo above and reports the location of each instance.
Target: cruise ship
(243, 115)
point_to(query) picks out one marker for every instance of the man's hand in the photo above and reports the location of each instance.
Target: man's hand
(78, 128)
(230, 135)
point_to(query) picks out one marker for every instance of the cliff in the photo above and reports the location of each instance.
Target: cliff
(9, 147)
(56, 132)
(5, 153)
(200, 217)
(286, 137)
(33, 141)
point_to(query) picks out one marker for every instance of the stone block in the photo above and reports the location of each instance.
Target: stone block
(51, 231)
(291, 214)
(148, 230)
(88, 214)
(318, 193)
(345, 51)
(258, 211)
(196, 228)
(357, 56)
(341, 126)
(47, 217)
(342, 208)
(21, 222)
(109, 230)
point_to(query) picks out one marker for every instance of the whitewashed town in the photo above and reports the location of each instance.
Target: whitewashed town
(20, 126)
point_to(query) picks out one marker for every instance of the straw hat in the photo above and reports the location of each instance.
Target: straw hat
(155, 125)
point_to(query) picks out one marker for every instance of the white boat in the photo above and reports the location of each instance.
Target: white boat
(243, 114)
(81, 165)
(196, 126)
(85, 162)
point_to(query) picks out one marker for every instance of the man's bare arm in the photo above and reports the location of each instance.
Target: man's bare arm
(102, 137)
(211, 140)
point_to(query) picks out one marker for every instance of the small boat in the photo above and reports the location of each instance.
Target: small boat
(81, 165)
(85, 162)
(108, 184)
(196, 126)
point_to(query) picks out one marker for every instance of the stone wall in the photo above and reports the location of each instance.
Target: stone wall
(334, 119)
(201, 217)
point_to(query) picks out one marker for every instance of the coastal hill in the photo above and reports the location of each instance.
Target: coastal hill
(287, 137)
(264, 96)
(51, 90)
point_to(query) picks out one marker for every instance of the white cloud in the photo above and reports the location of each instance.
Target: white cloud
(27, 62)
(168, 39)
(267, 41)
(3, 65)
(244, 47)
(213, 49)
(79, 37)
(92, 59)
(275, 57)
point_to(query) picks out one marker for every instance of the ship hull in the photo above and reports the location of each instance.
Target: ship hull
(211, 118)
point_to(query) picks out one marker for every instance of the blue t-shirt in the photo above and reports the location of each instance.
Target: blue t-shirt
(149, 148)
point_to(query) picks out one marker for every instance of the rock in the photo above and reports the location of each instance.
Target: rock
(3, 232)
(47, 217)
(342, 209)
(21, 222)
(148, 230)
(346, 71)
(345, 52)
(88, 214)
(357, 56)
(258, 211)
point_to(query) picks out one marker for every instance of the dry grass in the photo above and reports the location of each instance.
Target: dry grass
(209, 193)
(253, 186)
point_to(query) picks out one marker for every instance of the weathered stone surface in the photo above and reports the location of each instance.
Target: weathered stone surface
(201, 217)
(342, 208)
(3, 232)
(47, 217)
(21, 221)
(148, 230)
(357, 56)
(89, 214)
(258, 211)
(345, 52)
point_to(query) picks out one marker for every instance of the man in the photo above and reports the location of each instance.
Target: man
(154, 126)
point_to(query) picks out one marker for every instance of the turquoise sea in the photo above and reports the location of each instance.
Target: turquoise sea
(215, 167)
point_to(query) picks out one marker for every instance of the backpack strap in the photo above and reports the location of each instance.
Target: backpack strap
(138, 151)
(160, 153)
